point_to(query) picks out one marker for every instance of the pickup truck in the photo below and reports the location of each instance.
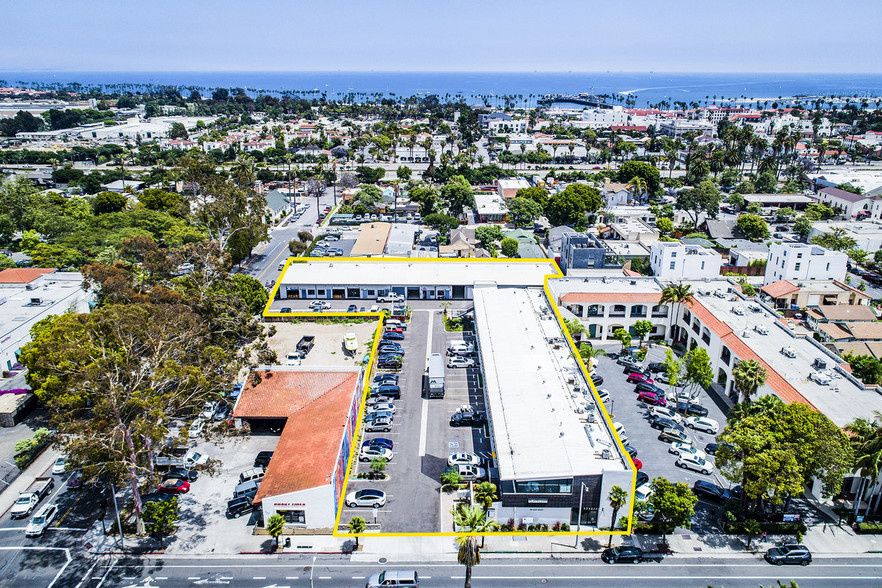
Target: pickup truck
(189, 460)
(305, 345)
(29, 499)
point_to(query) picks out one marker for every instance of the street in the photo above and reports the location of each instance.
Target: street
(338, 570)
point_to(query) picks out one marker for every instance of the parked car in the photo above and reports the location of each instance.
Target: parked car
(685, 448)
(392, 578)
(649, 388)
(263, 458)
(693, 462)
(597, 380)
(602, 394)
(375, 452)
(389, 363)
(236, 507)
(381, 425)
(630, 450)
(710, 491)
(642, 478)
(688, 408)
(637, 463)
(381, 379)
(703, 424)
(392, 336)
(666, 413)
(628, 361)
(286, 309)
(387, 406)
(379, 442)
(636, 370)
(714, 448)
(657, 368)
(651, 398)
(791, 553)
(60, 466)
(390, 297)
(470, 473)
(623, 554)
(662, 423)
(319, 304)
(390, 390)
(466, 419)
(636, 378)
(175, 486)
(196, 427)
(75, 481)
(367, 497)
(385, 349)
(352, 308)
(41, 521)
(385, 415)
(674, 436)
(463, 458)
(190, 475)
(457, 361)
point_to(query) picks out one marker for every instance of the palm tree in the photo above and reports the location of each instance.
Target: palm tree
(748, 375)
(637, 185)
(676, 294)
(485, 492)
(471, 522)
(617, 499)
(866, 440)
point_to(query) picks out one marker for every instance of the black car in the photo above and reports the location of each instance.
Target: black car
(710, 491)
(467, 419)
(183, 474)
(286, 309)
(352, 308)
(644, 387)
(263, 458)
(714, 448)
(597, 380)
(661, 423)
(389, 390)
(239, 506)
(637, 370)
(657, 368)
(393, 336)
(623, 554)
(389, 363)
(690, 409)
(384, 349)
(792, 553)
(632, 451)
(642, 478)
(386, 379)
(627, 360)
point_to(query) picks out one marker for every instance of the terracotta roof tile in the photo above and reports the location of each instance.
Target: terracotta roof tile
(282, 393)
(834, 331)
(24, 275)
(865, 331)
(780, 288)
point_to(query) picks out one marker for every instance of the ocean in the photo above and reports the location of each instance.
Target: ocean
(643, 88)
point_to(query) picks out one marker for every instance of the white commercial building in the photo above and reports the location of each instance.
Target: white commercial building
(867, 234)
(800, 261)
(674, 261)
(556, 453)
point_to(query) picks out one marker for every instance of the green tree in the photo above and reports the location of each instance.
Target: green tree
(6, 262)
(703, 199)
(766, 183)
(865, 367)
(753, 529)
(369, 175)
(357, 526)
(566, 208)
(697, 369)
(642, 328)
(470, 521)
(274, 527)
(753, 227)
(368, 196)
(537, 195)
(160, 517)
(747, 377)
(523, 211)
(837, 239)
(618, 498)
(252, 292)
(664, 225)
(457, 194)
(640, 169)
(442, 223)
(866, 442)
(178, 131)
(736, 200)
(623, 337)
(575, 328)
(673, 368)
(488, 234)
(106, 202)
(378, 466)
(673, 505)
(803, 227)
(485, 494)
(403, 172)
(590, 352)
(450, 479)
(509, 247)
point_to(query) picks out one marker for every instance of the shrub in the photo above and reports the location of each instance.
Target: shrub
(868, 528)
(564, 527)
(776, 528)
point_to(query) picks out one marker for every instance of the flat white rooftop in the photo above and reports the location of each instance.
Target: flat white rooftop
(842, 401)
(383, 272)
(537, 431)
(606, 284)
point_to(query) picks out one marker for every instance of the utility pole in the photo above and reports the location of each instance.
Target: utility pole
(122, 540)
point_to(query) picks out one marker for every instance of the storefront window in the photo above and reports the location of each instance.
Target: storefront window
(297, 517)
(564, 486)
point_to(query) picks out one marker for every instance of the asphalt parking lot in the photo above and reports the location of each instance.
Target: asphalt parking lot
(634, 415)
(422, 436)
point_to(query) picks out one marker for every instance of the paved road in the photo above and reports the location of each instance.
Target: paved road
(338, 571)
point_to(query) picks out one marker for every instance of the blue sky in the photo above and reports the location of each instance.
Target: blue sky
(443, 35)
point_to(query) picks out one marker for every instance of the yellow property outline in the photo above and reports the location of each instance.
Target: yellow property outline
(370, 369)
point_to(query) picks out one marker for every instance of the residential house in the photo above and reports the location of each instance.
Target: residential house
(675, 261)
(852, 205)
(788, 295)
(801, 261)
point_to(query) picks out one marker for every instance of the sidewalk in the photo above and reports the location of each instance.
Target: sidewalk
(36, 469)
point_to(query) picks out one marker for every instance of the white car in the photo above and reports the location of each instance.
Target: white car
(686, 449)
(208, 409)
(293, 359)
(470, 472)
(330, 237)
(620, 429)
(390, 297)
(319, 304)
(381, 406)
(463, 458)
(603, 395)
(60, 465)
(456, 361)
(703, 424)
(643, 492)
(367, 497)
(195, 428)
(372, 452)
(350, 342)
(692, 462)
(667, 413)
(41, 520)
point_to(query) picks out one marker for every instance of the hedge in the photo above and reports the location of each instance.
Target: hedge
(868, 528)
(650, 528)
(770, 527)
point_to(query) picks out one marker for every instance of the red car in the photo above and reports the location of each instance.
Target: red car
(652, 398)
(640, 379)
(175, 486)
(637, 463)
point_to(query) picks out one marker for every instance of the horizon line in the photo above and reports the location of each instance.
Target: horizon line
(463, 71)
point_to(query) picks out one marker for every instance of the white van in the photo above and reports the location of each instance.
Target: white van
(248, 488)
(252, 474)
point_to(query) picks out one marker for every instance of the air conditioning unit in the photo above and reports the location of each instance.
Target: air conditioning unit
(36, 301)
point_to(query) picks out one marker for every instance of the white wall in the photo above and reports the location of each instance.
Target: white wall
(675, 261)
(317, 502)
(798, 261)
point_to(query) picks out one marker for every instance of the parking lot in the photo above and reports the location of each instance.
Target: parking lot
(422, 436)
(653, 453)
